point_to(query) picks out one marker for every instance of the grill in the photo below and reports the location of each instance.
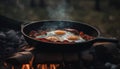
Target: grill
(17, 54)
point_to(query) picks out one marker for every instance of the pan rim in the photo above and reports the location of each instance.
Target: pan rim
(34, 22)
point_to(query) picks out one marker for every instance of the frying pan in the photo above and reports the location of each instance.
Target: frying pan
(51, 25)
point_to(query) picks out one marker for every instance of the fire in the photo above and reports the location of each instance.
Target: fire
(39, 66)
(5, 64)
(44, 66)
(31, 66)
(13, 67)
(26, 66)
(52, 66)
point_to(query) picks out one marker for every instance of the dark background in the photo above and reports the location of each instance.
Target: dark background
(103, 14)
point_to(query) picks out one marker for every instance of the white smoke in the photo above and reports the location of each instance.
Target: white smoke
(59, 11)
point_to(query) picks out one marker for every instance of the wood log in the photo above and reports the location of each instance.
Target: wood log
(20, 58)
(41, 58)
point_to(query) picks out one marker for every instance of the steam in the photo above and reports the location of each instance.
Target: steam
(55, 25)
(59, 11)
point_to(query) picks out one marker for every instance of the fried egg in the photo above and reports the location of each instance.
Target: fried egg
(61, 35)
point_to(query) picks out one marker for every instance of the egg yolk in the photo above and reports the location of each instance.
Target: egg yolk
(59, 32)
(73, 37)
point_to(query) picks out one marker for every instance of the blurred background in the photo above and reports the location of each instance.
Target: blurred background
(103, 14)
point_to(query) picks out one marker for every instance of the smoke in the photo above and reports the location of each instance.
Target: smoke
(60, 11)
(53, 25)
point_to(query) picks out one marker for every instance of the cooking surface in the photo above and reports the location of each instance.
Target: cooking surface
(97, 56)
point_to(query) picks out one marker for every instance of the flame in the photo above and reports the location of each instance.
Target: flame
(31, 62)
(12, 67)
(41, 66)
(5, 64)
(38, 66)
(26, 66)
(52, 66)
(44, 66)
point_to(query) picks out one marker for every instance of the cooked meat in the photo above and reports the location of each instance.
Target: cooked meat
(52, 38)
(61, 36)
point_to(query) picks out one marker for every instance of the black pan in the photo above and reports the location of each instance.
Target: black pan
(49, 46)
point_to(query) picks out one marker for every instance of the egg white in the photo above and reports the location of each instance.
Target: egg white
(61, 37)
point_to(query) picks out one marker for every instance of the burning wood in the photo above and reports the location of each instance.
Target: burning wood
(20, 58)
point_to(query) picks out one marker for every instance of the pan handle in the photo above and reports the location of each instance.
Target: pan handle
(104, 39)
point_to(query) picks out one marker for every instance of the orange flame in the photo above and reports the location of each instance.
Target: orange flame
(31, 62)
(52, 66)
(12, 67)
(5, 64)
(44, 66)
(26, 66)
(38, 66)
